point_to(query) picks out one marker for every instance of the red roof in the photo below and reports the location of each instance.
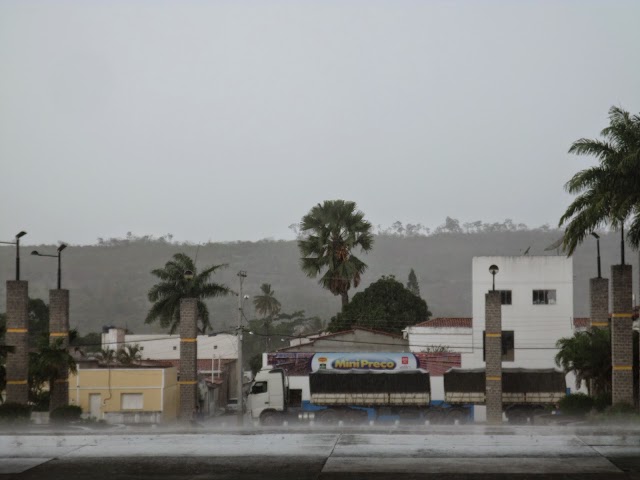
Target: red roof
(581, 322)
(438, 363)
(343, 332)
(447, 322)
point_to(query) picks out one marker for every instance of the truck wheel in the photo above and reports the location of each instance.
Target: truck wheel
(270, 419)
(457, 414)
(328, 417)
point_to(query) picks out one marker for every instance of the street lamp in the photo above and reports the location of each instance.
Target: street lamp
(17, 244)
(493, 269)
(60, 249)
(188, 275)
(597, 237)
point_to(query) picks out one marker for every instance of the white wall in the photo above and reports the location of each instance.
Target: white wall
(301, 383)
(536, 327)
(167, 347)
(455, 339)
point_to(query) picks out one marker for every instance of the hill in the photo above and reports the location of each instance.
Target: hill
(109, 281)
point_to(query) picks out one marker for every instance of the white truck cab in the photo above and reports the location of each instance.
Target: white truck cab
(268, 393)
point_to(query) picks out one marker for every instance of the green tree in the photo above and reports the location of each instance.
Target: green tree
(384, 305)
(267, 305)
(106, 356)
(129, 354)
(412, 283)
(173, 286)
(588, 356)
(607, 193)
(331, 231)
(49, 363)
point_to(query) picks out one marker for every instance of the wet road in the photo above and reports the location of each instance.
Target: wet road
(455, 454)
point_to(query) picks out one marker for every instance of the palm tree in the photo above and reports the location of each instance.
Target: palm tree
(267, 305)
(51, 363)
(106, 356)
(173, 286)
(330, 233)
(588, 356)
(130, 354)
(607, 193)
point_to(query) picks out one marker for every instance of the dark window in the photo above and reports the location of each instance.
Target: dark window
(544, 297)
(508, 350)
(259, 387)
(505, 297)
(295, 397)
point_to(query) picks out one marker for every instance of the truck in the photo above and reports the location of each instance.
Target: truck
(359, 387)
(351, 388)
(526, 392)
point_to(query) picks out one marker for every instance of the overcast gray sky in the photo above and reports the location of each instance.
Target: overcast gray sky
(229, 120)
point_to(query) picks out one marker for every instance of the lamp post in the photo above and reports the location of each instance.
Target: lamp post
(58, 256)
(17, 244)
(241, 275)
(597, 237)
(493, 269)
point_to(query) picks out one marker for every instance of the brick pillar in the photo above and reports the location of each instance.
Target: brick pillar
(59, 329)
(493, 356)
(18, 336)
(622, 334)
(599, 300)
(188, 357)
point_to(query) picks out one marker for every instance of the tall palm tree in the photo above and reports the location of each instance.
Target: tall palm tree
(173, 286)
(51, 362)
(608, 193)
(267, 305)
(331, 231)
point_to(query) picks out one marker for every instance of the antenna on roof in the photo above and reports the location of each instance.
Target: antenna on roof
(557, 245)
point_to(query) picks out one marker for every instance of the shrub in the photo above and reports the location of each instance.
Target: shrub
(15, 413)
(621, 409)
(576, 404)
(66, 413)
(602, 401)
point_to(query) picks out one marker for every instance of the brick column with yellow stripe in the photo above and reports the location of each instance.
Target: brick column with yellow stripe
(59, 330)
(599, 302)
(493, 356)
(622, 334)
(17, 336)
(188, 379)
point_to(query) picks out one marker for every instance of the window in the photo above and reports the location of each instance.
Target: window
(544, 297)
(131, 401)
(508, 344)
(175, 348)
(505, 297)
(259, 387)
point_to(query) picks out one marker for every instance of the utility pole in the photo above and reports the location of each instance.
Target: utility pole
(241, 275)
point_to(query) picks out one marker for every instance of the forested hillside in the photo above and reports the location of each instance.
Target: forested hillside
(109, 281)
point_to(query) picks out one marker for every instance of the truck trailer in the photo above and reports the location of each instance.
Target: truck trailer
(526, 392)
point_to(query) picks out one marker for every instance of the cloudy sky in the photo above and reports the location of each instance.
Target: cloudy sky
(229, 120)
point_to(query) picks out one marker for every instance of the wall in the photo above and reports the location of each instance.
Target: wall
(167, 347)
(158, 386)
(536, 327)
(455, 339)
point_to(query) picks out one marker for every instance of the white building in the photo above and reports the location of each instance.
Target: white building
(452, 334)
(167, 347)
(537, 308)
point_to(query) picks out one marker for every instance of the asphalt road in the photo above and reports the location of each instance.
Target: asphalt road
(455, 454)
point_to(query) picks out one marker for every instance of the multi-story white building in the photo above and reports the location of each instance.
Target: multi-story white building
(537, 308)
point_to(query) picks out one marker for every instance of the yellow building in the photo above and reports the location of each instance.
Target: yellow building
(136, 394)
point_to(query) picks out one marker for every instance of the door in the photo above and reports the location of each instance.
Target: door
(95, 402)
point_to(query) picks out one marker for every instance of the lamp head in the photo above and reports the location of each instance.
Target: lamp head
(61, 247)
(493, 269)
(595, 235)
(188, 275)
(21, 234)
